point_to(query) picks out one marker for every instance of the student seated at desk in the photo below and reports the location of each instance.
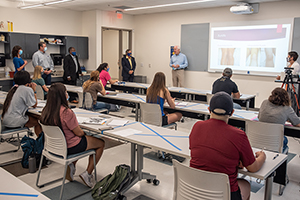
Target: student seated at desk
(158, 93)
(218, 147)
(37, 79)
(93, 86)
(225, 84)
(19, 98)
(104, 75)
(57, 113)
(277, 109)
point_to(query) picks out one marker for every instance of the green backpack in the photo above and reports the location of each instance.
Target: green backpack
(111, 185)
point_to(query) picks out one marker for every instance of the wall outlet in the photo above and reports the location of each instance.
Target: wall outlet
(257, 94)
(142, 65)
(149, 65)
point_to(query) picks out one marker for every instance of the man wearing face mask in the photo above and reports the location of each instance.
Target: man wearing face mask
(71, 69)
(128, 66)
(43, 59)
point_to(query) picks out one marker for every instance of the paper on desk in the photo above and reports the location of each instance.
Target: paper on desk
(41, 103)
(181, 104)
(117, 122)
(91, 120)
(127, 132)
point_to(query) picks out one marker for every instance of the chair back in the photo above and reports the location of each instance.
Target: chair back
(150, 113)
(87, 102)
(265, 135)
(191, 183)
(208, 97)
(80, 99)
(55, 141)
(39, 92)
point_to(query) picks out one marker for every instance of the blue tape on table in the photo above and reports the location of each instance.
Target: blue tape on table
(139, 97)
(161, 137)
(191, 105)
(238, 116)
(125, 125)
(19, 195)
(141, 85)
(176, 136)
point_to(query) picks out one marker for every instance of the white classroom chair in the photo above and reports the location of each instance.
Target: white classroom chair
(87, 102)
(195, 184)
(208, 97)
(150, 113)
(269, 136)
(55, 149)
(40, 92)
(10, 132)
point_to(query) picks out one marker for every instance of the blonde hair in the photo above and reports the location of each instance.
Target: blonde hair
(94, 78)
(37, 72)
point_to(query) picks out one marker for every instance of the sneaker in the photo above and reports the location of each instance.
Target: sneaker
(70, 172)
(87, 179)
(74, 101)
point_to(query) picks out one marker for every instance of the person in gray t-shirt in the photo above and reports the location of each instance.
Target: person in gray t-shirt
(277, 110)
(19, 98)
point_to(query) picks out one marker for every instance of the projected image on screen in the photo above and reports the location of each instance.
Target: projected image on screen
(261, 57)
(229, 56)
(259, 49)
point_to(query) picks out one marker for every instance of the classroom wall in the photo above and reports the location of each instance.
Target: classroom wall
(42, 20)
(155, 33)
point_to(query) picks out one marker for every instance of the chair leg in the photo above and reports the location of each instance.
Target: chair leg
(38, 176)
(63, 183)
(19, 142)
(94, 158)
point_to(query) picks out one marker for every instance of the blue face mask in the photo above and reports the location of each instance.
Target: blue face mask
(45, 49)
(74, 53)
(107, 69)
(68, 98)
(129, 54)
(20, 52)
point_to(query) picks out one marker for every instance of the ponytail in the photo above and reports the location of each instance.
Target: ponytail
(8, 99)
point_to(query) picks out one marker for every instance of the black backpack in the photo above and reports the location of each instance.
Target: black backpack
(110, 186)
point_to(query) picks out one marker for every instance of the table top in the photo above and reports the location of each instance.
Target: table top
(170, 141)
(178, 89)
(14, 188)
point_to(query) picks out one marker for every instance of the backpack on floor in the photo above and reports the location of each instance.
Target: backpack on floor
(110, 186)
(32, 147)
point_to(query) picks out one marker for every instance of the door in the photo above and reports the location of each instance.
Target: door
(110, 51)
(31, 45)
(114, 44)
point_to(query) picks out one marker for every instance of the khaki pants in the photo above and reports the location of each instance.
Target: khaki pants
(178, 77)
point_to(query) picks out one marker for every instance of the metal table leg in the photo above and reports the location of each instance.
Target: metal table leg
(268, 187)
(247, 104)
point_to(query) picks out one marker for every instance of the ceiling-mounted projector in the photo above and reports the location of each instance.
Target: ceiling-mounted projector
(244, 8)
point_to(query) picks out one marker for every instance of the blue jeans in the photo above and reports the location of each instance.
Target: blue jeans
(285, 142)
(237, 106)
(101, 105)
(47, 78)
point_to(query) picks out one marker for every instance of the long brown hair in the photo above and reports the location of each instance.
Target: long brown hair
(55, 99)
(20, 78)
(280, 97)
(158, 84)
(37, 74)
(94, 78)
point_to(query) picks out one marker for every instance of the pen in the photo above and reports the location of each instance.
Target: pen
(263, 149)
(275, 156)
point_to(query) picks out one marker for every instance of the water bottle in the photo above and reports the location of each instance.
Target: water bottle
(32, 164)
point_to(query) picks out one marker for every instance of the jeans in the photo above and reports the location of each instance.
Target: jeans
(47, 78)
(101, 105)
(285, 142)
(237, 106)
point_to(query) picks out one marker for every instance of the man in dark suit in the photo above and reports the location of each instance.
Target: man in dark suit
(71, 69)
(128, 66)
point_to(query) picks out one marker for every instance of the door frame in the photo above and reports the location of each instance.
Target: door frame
(121, 53)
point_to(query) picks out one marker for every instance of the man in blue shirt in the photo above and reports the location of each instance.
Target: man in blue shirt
(178, 63)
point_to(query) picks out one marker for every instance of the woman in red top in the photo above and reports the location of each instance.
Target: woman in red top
(104, 75)
(57, 113)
